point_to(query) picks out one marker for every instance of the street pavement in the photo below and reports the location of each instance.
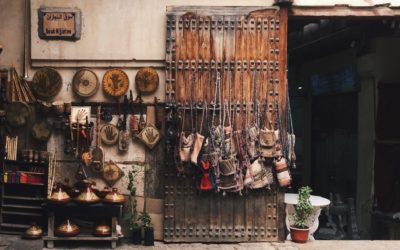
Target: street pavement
(8, 242)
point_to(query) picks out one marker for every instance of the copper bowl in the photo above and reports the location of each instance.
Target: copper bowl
(67, 229)
(33, 232)
(59, 197)
(114, 197)
(102, 230)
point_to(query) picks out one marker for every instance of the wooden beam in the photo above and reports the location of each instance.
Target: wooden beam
(217, 10)
(343, 11)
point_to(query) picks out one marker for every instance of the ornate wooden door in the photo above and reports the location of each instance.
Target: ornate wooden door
(237, 44)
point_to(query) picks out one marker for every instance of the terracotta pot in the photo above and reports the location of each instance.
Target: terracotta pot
(299, 235)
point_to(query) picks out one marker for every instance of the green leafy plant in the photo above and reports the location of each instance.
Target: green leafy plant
(303, 209)
(131, 182)
(132, 217)
(145, 219)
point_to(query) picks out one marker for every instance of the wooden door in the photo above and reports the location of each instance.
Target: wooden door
(232, 44)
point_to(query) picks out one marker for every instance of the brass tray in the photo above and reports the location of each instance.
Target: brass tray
(46, 83)
(146, 80)
(115, 83)
(85, 83)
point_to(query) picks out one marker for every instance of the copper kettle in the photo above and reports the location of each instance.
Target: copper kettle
(102, 229)
(33, 232)
(114, 197)
(67, 229)
(59, 196)
(88, 196)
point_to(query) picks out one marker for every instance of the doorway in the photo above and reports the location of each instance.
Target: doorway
(333, 100)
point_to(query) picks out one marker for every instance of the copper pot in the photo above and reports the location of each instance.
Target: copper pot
(102, 230)
(67, 229)
(59, 196)
(43, 156)
(87, 196)
(33, 232)
(114, 197)
(58, 107)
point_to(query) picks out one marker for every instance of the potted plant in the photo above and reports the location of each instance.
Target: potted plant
(299, 231)
(134, 226)
(148, 230)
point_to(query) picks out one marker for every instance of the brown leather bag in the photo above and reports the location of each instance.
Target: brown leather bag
(282, 172)
(258, 175)
(267, 143)
(228, 167)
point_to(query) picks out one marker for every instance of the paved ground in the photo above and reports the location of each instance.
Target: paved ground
(15, 243)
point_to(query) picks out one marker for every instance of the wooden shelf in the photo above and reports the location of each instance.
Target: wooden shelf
(23, 198)
(37, 164)
(23, 213)
(28, 184)
(21, 202)
(21, 206)
(21, 226)
(81, 237)
(387, 142)
(27, 172)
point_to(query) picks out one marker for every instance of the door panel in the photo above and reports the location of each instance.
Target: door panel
(237, 43)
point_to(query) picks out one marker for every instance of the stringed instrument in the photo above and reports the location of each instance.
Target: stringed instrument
(133, 121)
(81, 173)
(123, 136)
(87, 155)
(98, 152)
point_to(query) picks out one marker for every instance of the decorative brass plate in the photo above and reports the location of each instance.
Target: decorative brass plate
(146, 80)
(17, 114)
(112, 173)
(109, 134)
(150, 136)
(115, 83)
(46, 83)
(85, 83)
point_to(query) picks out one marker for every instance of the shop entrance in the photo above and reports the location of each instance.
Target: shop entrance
(335, 69)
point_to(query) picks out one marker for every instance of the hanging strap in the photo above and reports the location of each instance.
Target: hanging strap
(204, 112)
(217, 84)
(191, 103)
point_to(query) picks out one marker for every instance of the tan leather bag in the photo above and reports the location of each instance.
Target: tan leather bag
(198, 143)
(186, 144)
(258, 175)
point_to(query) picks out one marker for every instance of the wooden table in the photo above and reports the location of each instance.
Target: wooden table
(73, 209)
(316, 201)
